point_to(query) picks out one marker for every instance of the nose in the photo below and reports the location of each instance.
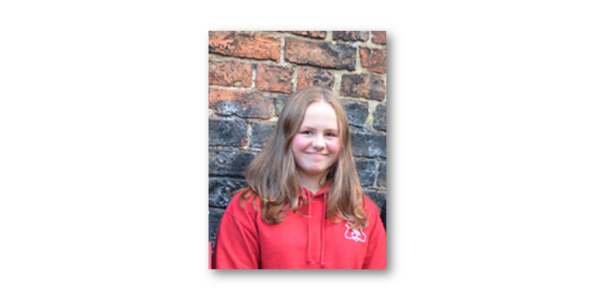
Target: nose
(319, 142)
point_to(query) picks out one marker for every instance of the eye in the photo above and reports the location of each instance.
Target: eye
(330, 135)
(306, 132)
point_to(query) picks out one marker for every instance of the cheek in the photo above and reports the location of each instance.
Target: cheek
(334, 148)
(299, 143)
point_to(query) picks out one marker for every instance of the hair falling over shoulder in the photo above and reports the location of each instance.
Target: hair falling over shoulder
(272, 175)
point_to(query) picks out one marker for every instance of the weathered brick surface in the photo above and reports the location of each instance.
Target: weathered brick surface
(351, 35)
(312, 34)
(215, 216)
(375, 60)
(380, 199)
(230, 73)
(248, 45)
(313, 77)
(363, 86)
(356, 111)
(240, 103)
(221, 190)
(247, 96)
(382, 174)
(260, 133)
(228, 133)
(368, 145)
(229, 162)
(320, 54)
(380, 117)
(274, 78)
(279, 101)
(379, 37)
(366, 169)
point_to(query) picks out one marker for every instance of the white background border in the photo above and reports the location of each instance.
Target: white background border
(500, 142)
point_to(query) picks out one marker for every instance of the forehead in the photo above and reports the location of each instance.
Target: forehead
(320, 113)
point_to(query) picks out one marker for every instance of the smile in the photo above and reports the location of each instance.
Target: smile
(315, 154)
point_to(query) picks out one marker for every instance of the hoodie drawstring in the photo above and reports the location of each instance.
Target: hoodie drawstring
(310, 261)
(322, 233)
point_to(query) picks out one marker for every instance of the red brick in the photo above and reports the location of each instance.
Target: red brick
(312, 34)
(248, 45)
(363, 86)
(245, 104)
(374, 59)
(351, 35)
(230, 73)
(312, 77)
(379, 37)
(320, 54)
(274, 78)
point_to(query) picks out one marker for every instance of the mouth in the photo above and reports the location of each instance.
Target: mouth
(316, 154)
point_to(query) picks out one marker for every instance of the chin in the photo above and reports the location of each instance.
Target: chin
(314, 172)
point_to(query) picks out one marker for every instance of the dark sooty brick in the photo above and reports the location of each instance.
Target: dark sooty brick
(215, 215)
(232, 133)
(382, 174)
(368, 145)
(380, 117)
(229, 162)
(356, 111)
(380, 199)
(351, 35)
(366, 169)
(221, 190)
(260, 134)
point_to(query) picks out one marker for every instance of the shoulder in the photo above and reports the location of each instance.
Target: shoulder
(370, 206)
(243, 208)
(372, 211)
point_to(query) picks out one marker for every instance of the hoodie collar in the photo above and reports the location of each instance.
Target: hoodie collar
(322, 191)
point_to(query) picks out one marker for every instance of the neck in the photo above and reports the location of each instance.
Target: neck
(311, 183)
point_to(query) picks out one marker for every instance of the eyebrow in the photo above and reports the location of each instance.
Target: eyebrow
(304, 127)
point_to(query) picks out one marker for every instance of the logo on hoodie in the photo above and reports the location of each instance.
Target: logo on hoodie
(355, 234)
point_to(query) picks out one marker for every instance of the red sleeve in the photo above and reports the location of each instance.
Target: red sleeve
(377, 248)
(237, 239)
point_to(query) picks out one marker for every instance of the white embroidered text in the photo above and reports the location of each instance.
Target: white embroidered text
(355, 234)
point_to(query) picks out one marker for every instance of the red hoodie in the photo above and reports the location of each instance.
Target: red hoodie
(246, 241)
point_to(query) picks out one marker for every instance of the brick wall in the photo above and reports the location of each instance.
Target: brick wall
(252, 74)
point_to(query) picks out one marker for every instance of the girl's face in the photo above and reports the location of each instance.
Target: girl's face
(316, 146)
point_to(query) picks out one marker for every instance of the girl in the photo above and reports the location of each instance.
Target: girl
(303, 207)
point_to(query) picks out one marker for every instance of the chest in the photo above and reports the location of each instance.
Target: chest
(305, 236)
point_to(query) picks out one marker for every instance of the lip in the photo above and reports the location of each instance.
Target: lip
(315, 154)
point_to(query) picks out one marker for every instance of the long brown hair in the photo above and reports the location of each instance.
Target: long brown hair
(272, 175)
